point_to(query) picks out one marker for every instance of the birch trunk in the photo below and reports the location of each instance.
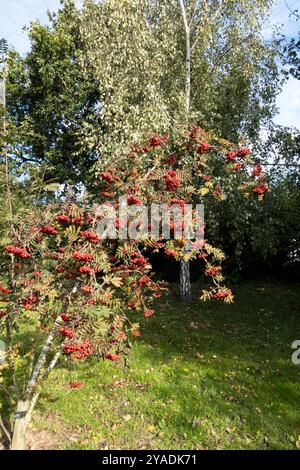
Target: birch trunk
(18, 437)
(25, 407)
(185, 278)
(187, 58)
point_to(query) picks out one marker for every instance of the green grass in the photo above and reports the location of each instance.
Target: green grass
(203, 376)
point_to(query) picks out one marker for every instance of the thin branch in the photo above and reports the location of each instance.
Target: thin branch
(282, 164)
(40, 188)
(42, 359)
(5, 430)
(35, 397)
(293, 12)
(45, 349)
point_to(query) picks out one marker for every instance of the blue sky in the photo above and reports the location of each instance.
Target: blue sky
(15, 14)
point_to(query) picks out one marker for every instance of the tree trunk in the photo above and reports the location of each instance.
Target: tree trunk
(18, 437)
(25, 407)
(185, 278)
(187, 58)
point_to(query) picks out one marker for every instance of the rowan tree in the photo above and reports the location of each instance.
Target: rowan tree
(73, 287)
(189, 166)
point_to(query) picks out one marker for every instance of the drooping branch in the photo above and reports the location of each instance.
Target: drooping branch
(292, 12)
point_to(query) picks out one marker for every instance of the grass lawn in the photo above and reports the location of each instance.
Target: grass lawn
(202, 376)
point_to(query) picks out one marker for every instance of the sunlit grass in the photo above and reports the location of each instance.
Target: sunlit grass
(202, 376)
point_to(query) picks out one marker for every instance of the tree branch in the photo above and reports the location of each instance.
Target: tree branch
(42, 359)
(5, 431)
(35, 397)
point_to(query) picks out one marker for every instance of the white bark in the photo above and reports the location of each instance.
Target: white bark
(35, 397)
(185, 281)
(19, 426)
(25, 407)
(40, 362)
(187, 58)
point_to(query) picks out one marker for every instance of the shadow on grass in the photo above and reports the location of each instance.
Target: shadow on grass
(233, 376)
(202, 376)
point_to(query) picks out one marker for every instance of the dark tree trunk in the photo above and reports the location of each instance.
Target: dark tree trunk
(185, 280)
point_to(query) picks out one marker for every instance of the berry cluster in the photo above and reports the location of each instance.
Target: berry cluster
(67, 332)
(113, 357)
(212, 271)
(17, 251)
(257, 170)
(133, 200)
(156, 141)
(91, 236)
(85, 257)
(261, 188)
(107, 177)
(63, 219)
(78, 350)
(222, 294)
(203, 147)
(49, 230)
(171, 180)
(240, 153)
